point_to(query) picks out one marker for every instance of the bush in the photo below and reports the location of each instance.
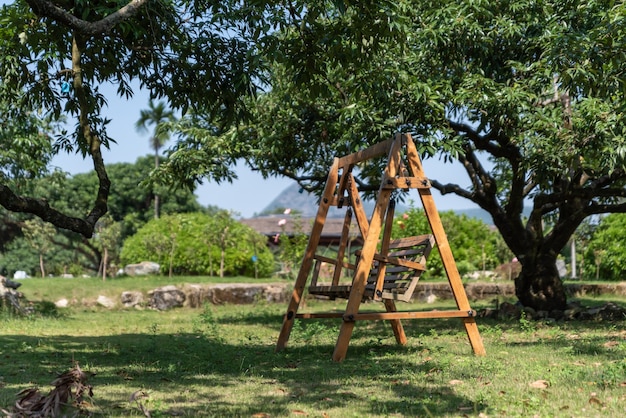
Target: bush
(193, 243)
(605, 255)
(473, 244)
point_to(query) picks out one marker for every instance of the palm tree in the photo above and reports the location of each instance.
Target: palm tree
(157, 116)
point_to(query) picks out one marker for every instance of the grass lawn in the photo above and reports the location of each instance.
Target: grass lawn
(220, 361)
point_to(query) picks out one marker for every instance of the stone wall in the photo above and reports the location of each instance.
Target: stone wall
(196, 295)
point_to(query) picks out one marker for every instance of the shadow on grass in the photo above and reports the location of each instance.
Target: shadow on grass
(203, 375)
(206, 376)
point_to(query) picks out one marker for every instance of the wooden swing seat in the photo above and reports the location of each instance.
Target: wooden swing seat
(402, 267)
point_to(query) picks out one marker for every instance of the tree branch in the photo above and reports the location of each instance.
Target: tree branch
(445, 189)
(41, 208)
(103, 26)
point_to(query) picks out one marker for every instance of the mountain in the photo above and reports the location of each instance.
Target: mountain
(306, 204)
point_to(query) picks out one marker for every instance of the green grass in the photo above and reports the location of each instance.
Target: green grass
(220, 361)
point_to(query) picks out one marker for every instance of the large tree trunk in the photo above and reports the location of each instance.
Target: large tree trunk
(539, 286)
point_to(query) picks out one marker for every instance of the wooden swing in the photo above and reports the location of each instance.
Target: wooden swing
(387, 272)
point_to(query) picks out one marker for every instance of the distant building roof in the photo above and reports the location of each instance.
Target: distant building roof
(289, 225)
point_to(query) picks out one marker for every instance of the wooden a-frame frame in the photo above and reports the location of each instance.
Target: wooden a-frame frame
(341, 190)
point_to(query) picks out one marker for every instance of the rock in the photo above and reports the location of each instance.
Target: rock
(530, 312)
(235, 293)
(488, 313)
(195, 295)
(432, 298)
(572, 312)
(9, 297)
(142, 269)
(166, 297)
(244, 293)
(8, 283)
(105, 301)
(131, 299)
(510, 310)
(557, 314)
(62, 303)
(20, 274)
(606, 312)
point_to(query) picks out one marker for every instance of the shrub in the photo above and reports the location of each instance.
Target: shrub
(473, 244)
(605, 255)
(193, 243)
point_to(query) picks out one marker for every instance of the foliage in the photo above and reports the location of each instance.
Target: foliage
(130, 205)
(199, 57)
(56, 56)
(60, 259)
(474, 246)
(156, 115)
(39, 236)
(309, 39)
(528, 97)
(291, 246)
(108, 240)
(605, 252)
(188, 242)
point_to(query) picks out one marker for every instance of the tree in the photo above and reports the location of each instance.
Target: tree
(606, 249)
(220, 231)
(107, 237)
(130, 206)
(39, 235)
(528, 96)
(56, 55)
(157, 116)
(181, 241)
(197, 56)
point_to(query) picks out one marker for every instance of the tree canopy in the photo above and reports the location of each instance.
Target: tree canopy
(528, 96)
(197, 56)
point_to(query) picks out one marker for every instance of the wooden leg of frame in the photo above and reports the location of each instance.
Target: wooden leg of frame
(396, 325)
(341, 348)
(474, 336)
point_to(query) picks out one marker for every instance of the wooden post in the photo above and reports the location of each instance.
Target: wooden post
(326, 200)
(367, 255)
(454, 278)
(449, 265)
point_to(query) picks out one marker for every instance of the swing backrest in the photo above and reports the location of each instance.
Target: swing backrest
(403, 265)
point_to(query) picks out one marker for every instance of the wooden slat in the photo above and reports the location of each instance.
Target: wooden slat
(401, 262)
(376, 150)
(406, 183)
(408, 315)
(385, 316)
(333, 261)
(411, 241)
(345, 237)
(357, 205)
